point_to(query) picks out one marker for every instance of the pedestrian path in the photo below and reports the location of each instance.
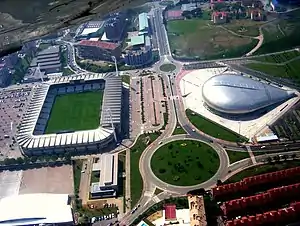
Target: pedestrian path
(251, 154)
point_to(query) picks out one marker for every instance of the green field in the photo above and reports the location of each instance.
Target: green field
(178, 130)
(167, 67)
(136, 182)
(244, 27)
(289, 70)
(199, 38)
(235, 156)
(263, 169)
(185, 162)
(213, 129)
(278, 58)
(281, 34)
(75, 111)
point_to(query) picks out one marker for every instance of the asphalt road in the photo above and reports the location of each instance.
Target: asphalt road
(161, 34)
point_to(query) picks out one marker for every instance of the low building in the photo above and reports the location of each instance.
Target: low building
(219, 17)
(174, 15)
(108, 182)
(143, 24)
(5, 75)
(197, 210)
(189, 7)
(36, 209)
(49, 60)
(98, 50)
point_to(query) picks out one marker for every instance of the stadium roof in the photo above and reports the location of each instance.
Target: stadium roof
(50, 50)
(35, 209)
(102, 45)
(143, 21)
(235, 94)
(112, 101)
(137, 40)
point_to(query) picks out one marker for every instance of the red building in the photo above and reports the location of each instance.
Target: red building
(170, 212)
(285, 192)
(285, 215)
(247, 183)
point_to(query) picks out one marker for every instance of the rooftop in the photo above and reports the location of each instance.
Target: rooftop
(170, 211)
(137, 40)
(99, 44)
(50, 50)
(143, 21)
(36, 209)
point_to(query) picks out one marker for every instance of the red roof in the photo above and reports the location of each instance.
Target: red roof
(220, 13)
(170, 212)
(174, 13)
(100, 44)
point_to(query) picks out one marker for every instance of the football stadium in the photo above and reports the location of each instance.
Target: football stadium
(75, 114)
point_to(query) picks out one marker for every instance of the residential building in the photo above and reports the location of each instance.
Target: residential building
(5, 75)
(107, 166)
(197, 210)
(143, 24)
(98, 50)
(140, 52)
(49, 60)
(188, 7)
(257, 15)
(11, 60)
(219, 17)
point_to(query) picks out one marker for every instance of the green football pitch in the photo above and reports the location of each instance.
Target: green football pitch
(75, 111)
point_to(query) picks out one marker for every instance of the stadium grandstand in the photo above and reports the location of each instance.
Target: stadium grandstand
(31, 135)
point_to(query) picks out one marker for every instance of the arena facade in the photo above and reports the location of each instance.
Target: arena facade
(31, 135)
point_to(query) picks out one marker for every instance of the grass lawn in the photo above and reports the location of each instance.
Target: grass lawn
(244, 27)
(235, 156)
(77, 167)
(289, 70)
(126, 79)
(199, 38)
(185, 162)
(263, 169)
(157, 191)
(67, 71)
(278, 58)
(213, 129)
(167, 67)
(75, 111)
(136, 182)
(178, 130)
(281, 34)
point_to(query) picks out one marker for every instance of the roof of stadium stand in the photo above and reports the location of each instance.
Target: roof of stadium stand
(235, 94)
(112, 104)
(143, 21)
(40, 208)
(137, 40)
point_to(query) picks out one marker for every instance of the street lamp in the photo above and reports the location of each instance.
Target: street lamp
(116, 66)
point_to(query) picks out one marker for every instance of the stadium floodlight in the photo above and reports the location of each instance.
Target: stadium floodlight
(116, 65)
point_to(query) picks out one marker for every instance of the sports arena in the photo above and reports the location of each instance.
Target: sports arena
(36, 136)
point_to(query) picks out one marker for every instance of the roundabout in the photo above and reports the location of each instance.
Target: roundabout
(167, 67)
(185, 162)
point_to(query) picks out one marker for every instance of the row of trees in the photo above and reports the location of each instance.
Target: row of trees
(36, 159)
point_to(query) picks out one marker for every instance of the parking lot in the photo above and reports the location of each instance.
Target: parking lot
(57, 180)
(153, 97)
(13, 105)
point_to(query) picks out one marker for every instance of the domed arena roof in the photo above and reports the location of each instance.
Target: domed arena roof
(235, 94)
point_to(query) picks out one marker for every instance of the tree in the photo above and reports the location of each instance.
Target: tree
(20, 160)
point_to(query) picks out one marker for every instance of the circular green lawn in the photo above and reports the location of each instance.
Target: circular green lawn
(167, 67)
(185, 163)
